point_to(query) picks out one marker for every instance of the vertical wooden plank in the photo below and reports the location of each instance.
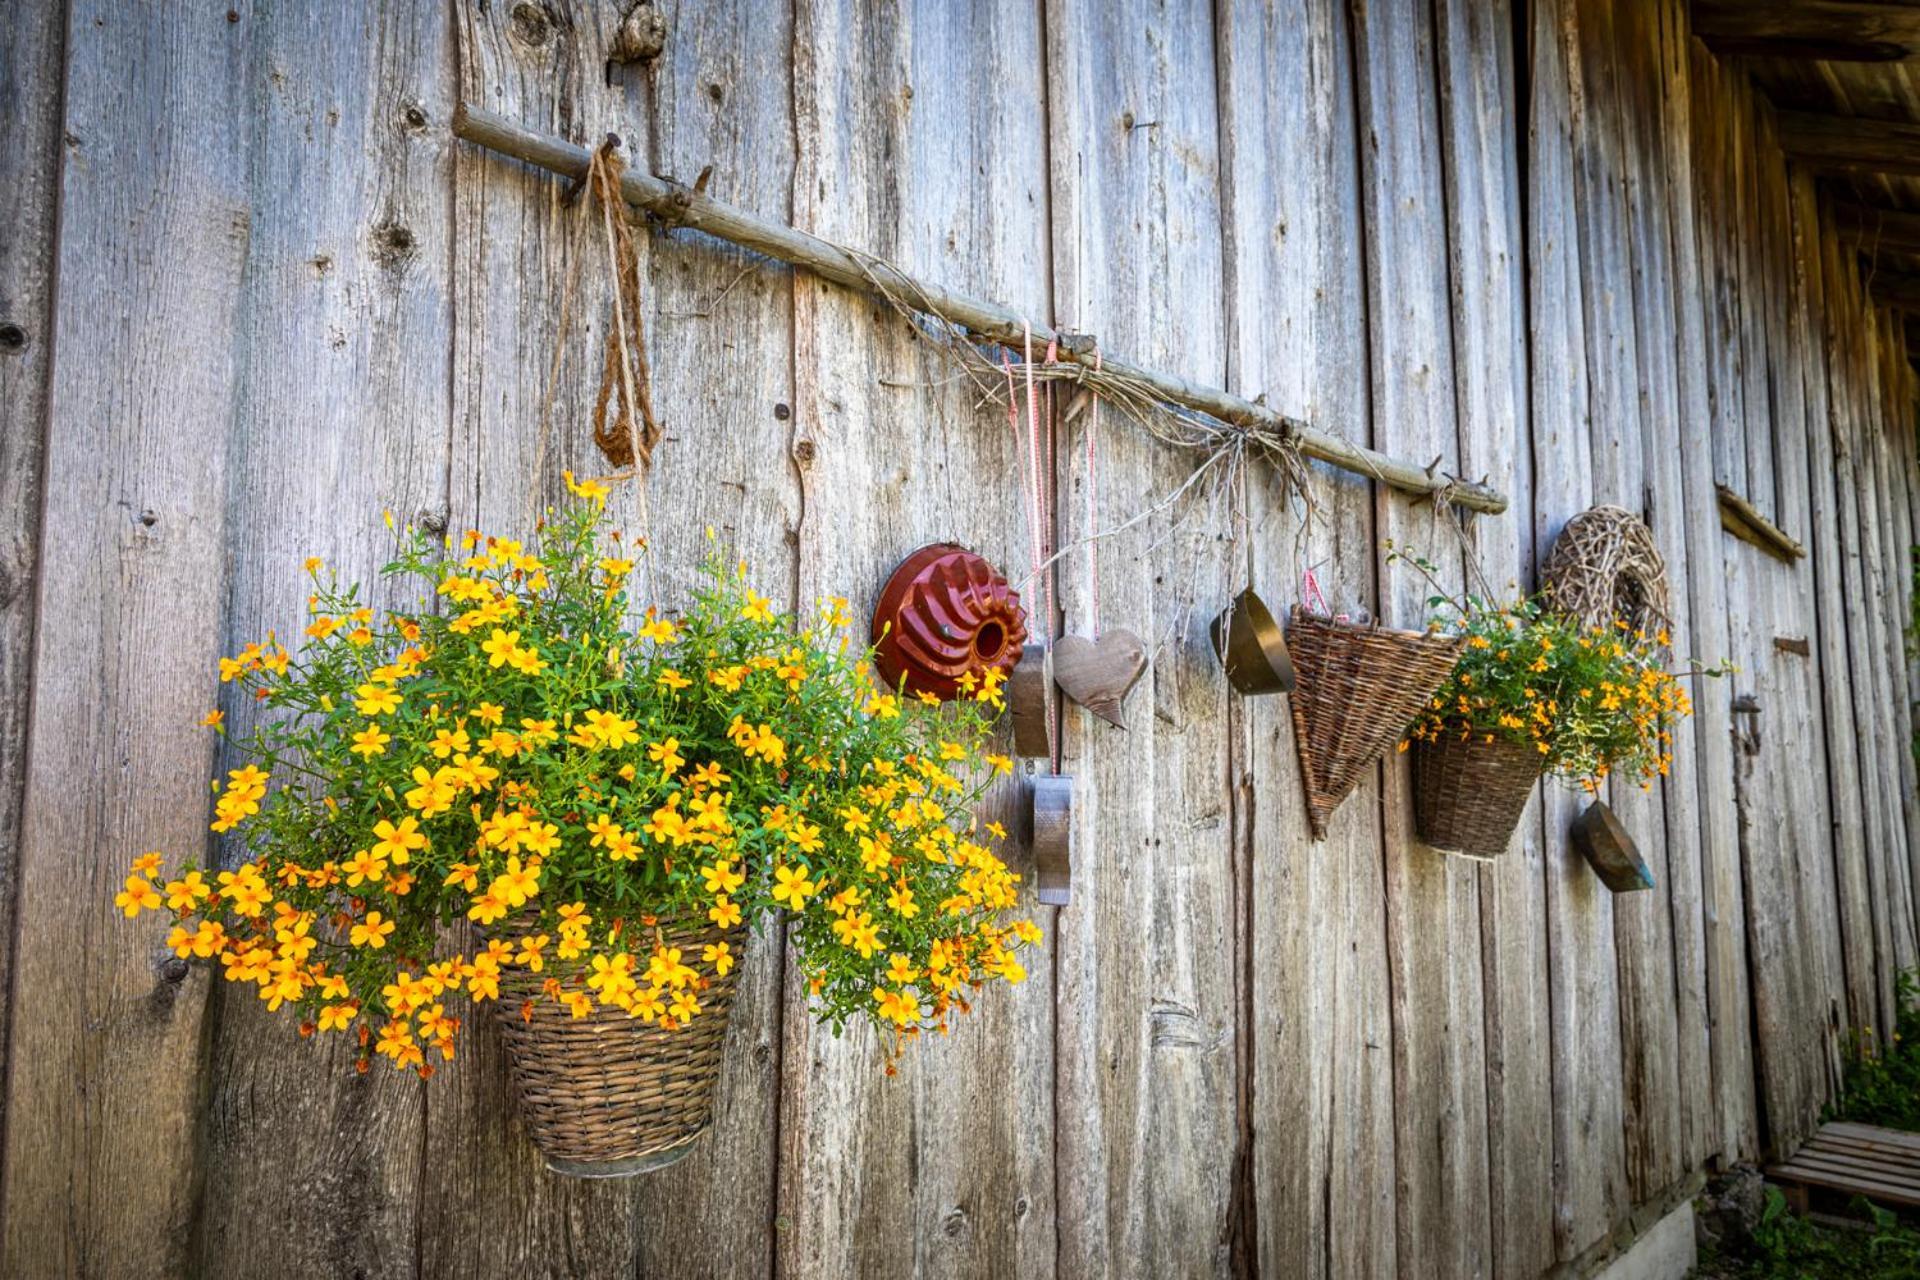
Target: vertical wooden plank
(721, 347)
(106, 1056)
(1693, 82)
(33, 49)
(514, 238)
(1478, 93)
(1319, 1033)
(1613, 244)
(1671, 924)
(1147, 1087)
(1829, 622)
(1587, 1176)
(342, 329)
(948, 1167)
(1886, 561)
(1847, 307)
(1433, 902)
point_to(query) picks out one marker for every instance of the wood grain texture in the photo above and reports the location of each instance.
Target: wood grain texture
(1146, 1084)
(1696, 183)
(1625, 351)
(1588, 1160)
(721, 339)
(106, 1070)
(1318, 1042)
(1656, 137)
(1478, 78)
(341, 335)
(1240, 1051)
(33, 49)
(514, 241)
(1443, 1220)
(948, 1167)
(1852, 907)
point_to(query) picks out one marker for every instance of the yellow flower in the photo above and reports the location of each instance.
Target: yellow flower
(721, 877)
(398, 842)
(725, 913)
(138, 896)
(667, 756)
(897, 1007)
(364, 865)
(447, 742)
(612, 730)
(720, 956)
(792, 887)
(500, 647)
(371, 932)
(517, 883)
(213, 719)
(370, 741)
(757, 609)
(188, 892)
(376, 700)
(335, 1017)
(592, 490)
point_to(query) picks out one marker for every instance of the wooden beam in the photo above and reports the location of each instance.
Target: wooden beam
(680, 205)
(1828, 29)
(1743, 520)
(1893, 288)
(1850, 144)
(1872, 228)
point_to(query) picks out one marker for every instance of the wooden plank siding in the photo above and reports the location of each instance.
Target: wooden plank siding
(254, 293)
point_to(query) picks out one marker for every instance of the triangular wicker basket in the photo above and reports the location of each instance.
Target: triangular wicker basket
(1358, 689)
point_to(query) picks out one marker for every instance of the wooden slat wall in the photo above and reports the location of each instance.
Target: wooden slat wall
(260, 295)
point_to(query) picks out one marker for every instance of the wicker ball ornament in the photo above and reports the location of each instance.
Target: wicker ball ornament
(946, 614)
(1604, 566)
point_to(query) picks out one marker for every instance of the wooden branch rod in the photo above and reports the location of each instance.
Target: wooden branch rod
(1744, 521)
(680, 205)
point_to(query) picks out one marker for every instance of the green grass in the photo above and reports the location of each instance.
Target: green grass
(1788, 1247)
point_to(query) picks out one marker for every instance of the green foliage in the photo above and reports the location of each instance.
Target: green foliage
(1788, 1247)
(510, 752)
(1591, 700)
(1883, 1081)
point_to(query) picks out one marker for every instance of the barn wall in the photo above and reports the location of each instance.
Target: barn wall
(260, 294)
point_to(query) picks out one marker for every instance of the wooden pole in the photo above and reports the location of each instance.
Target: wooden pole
(1744, 521)
(680, 205)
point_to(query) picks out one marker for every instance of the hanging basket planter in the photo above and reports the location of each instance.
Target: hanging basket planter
(1358, 688)
(1469, 793)
(609, 1095)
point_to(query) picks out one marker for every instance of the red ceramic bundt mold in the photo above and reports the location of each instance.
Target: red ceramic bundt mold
(945, 612)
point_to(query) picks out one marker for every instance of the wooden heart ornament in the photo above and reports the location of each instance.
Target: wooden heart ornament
(1098, 674)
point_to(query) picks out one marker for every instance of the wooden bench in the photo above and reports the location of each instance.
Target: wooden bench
(1853, 1160)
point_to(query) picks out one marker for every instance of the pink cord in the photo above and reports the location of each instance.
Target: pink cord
(1093, 502)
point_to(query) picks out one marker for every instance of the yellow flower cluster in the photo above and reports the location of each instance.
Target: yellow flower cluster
(1592, 701)
(528, 765)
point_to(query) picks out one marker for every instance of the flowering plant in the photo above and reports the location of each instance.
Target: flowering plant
(1591, 700)
(528, 761)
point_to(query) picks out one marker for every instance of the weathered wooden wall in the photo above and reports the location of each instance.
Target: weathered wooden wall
(252, 292)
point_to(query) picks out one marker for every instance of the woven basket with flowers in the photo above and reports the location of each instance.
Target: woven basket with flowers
(520, 793)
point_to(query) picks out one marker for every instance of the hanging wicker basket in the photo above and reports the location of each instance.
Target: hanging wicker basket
(608, 1095)
(1357, 689)
(1468, 793)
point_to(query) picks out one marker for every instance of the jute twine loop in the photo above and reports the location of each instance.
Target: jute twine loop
(1605, 567)
(630, 439)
